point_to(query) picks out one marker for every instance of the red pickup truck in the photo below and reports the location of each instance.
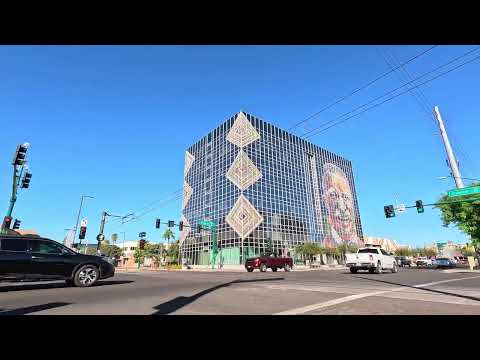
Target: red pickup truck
(269, 261)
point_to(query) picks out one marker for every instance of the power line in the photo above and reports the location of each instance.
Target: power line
(166, 202)
(362, 87)
(314, 131)
(388, 99)
(178, 192)
(405, 76)
(392, 91)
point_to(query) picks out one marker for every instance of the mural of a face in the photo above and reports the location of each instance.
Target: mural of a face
(338, 198)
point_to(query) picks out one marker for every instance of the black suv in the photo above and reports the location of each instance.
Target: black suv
(36, 258)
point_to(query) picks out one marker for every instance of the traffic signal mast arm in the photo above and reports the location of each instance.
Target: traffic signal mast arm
(445, 202)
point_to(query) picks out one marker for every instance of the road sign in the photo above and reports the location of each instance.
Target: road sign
(84, 222)
(142, 234)
(100, 237)
(207, 224)
(401, 208)
(464, 191)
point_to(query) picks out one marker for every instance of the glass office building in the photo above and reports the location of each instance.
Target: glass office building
(264, 188)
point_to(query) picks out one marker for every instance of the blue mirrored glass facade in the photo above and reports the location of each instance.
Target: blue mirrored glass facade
(262, 185)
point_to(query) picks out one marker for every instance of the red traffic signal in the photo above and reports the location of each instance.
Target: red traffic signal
(141, 244)
(7, 221)
(83, 232)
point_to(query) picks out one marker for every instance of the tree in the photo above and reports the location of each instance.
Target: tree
(154, 251)
(168, 235)
(467, 251)
(111, 250)
(464, 215)
(173, 251)
(139, 256)
(429, 252)
(349, 247)
(308, 250)
(403, 252)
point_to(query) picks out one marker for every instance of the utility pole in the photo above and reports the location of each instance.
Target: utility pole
(452, 161)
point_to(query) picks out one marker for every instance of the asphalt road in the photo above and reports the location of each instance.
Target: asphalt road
(410, 291)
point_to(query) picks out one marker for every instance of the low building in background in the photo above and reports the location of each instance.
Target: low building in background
(128, 258)
(386, 244)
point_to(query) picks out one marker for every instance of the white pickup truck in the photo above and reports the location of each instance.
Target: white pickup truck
(371, 258)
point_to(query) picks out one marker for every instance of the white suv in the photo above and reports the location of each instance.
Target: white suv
(423, 261)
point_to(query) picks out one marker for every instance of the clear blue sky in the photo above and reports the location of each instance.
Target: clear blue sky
(114, 122)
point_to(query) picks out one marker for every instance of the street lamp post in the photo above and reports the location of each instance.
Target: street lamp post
(78, 216)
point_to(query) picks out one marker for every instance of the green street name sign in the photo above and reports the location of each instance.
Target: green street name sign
(465, 191)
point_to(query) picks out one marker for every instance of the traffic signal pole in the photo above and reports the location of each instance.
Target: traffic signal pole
(452, 161)
(15, 183)
(100, 235)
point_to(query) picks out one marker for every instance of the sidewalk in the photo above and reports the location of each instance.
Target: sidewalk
(229, 268)
(461, 271)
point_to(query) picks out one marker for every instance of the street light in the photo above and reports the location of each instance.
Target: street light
(78, 216)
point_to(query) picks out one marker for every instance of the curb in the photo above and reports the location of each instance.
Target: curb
(242, 270)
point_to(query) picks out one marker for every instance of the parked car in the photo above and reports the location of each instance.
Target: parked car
(444, 263)
(403, 261)
(271, 261)
(423, 261)
(371, 258)
(36, 258)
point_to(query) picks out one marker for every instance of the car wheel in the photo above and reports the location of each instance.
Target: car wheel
(394, 268)
(287, 267)
(371, 271)
(274, 269)
(353, 270)
(263, 267)
(70, 282)
(378, 269)
(86, 276)
(250, 270)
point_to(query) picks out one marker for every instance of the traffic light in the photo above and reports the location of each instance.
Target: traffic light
(389, 211)
(19, 158)
(157, 224)
(7, 221)
(26, 180)
(199, 228)
(16, 224)
(171, 223)
(83, 232)
(180, 226)
(141, 244)
(419, 205)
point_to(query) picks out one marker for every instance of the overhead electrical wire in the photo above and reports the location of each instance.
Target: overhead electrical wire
(361, 88)
(319, 129)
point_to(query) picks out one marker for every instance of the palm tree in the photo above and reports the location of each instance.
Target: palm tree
(168, 234)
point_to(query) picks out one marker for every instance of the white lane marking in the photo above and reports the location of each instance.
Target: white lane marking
(305, 309)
